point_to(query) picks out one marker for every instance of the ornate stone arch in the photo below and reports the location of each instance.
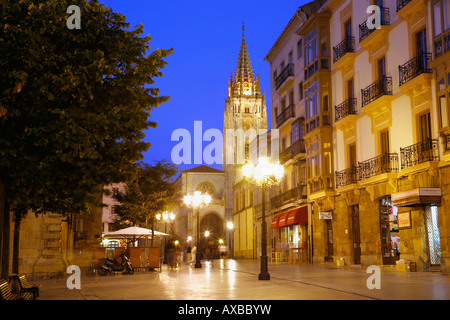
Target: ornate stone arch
(207, 187)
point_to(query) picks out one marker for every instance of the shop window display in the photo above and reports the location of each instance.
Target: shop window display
(390, 235)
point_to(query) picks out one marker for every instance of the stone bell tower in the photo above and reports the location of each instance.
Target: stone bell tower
(245, 109)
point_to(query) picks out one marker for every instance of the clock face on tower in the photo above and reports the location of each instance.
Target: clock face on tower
(206, 187)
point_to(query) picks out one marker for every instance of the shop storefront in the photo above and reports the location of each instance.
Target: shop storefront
(418, 214)
(290, 233)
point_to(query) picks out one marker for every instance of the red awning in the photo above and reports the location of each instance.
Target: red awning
(289, 218)
(297, 216)
(275, 222)
(282, 222)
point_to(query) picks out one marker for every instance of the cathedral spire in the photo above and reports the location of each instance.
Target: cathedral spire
(244, 81)
(244, 72)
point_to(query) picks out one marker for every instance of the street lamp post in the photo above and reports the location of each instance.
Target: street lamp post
(197, 201)
(165, 217)
(264, 174)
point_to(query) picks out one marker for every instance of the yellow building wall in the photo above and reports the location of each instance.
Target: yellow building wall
(243, 246)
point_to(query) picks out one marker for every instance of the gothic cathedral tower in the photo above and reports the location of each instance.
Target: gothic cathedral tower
(245, 109)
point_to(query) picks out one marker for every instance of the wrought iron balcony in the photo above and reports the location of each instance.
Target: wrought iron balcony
(290, 196)
(346, 46)
(321, 183)
(401, 4)
(287, 113)
(386, 163)
(286, 155)
(299, 147)
(346, 177)
(287, 72)
(376, 90)
(415, 67)
(289, 153)
(421, 152)
(345, 109)
(365, 31)
(441, 45)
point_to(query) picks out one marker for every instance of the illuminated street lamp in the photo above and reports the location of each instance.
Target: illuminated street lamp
(165, 217)
(197, 201)
(264, 174)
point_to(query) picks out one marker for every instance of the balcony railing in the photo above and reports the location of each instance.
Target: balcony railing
(346, 46)
(290, 196)
(287, 72)
(322, 183)
(441, 45)
(299, 147)
(286, 155)
(415, 67)
(289, 153)
(376, 90)
(346, 177)
(386, 163)
(365, 31)
(287, 113)
(421, 152)
(401, 4)
(345, 109)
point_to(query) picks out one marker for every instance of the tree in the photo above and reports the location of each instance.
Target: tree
(148, 193)
(74, 105)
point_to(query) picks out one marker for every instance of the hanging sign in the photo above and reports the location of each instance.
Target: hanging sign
(404, 220)
(325, 215)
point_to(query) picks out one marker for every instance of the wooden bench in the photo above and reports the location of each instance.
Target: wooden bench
(24, 286)
(6, 294)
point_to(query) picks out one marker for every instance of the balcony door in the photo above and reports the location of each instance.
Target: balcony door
(384, 142)
(421, 49)
(350, 89)
(424, 127)
(421, 42)
(349, 34)
(381, 68)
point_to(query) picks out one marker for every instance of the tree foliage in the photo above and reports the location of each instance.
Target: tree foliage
(148, 193)
(74, 103)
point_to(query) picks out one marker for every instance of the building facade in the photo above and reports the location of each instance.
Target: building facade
(375, 116)
(288, 201)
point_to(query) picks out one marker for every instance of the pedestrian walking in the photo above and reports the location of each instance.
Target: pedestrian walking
(193, 254)
(188, 254)
(170, 254)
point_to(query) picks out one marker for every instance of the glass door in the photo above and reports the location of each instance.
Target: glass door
(434, 241)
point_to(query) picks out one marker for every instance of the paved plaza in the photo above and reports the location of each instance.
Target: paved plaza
(238, 280)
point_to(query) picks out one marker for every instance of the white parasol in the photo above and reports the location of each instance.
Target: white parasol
(134, 232)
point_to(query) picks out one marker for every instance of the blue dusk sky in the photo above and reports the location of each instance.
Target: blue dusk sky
(206, 37)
